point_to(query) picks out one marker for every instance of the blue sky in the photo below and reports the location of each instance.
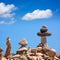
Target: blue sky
(23, 19)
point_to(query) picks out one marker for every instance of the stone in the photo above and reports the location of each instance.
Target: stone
(33, 51)
(22, 50)
(39, 49)
(16, 56)
(1, 53)
(3, 58)
(23, 58)
(23, 42)
(43, 29)
(8, 50)
(39, 54)
(51, 52)
(1, 50)
(58, 55)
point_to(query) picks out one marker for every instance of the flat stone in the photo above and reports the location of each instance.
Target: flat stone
(23, 42)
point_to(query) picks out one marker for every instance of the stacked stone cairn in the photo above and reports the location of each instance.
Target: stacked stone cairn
(41, 52)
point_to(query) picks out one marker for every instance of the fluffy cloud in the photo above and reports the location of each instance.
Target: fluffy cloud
(37, 14)
(6, 10)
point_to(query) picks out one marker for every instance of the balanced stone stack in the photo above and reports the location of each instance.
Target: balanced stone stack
(43, 33)
(22, 49)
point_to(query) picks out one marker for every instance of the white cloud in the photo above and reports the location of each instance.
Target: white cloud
(6, 10)
(37, 14)
(10, 22)
(6, 13)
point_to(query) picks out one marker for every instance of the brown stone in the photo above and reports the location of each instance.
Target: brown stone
(39, 49)
(1, 50)
(51, 52)
(8, 50)
(23, 42)
(1, 53)
(22, 50)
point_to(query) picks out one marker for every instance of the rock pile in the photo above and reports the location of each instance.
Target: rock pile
(41, 52)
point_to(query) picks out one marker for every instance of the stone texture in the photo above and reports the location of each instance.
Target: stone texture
(43, 33)
(8, 50)
(41, 52)
(23, 42)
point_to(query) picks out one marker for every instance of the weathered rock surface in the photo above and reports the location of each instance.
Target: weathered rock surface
(41, 52)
